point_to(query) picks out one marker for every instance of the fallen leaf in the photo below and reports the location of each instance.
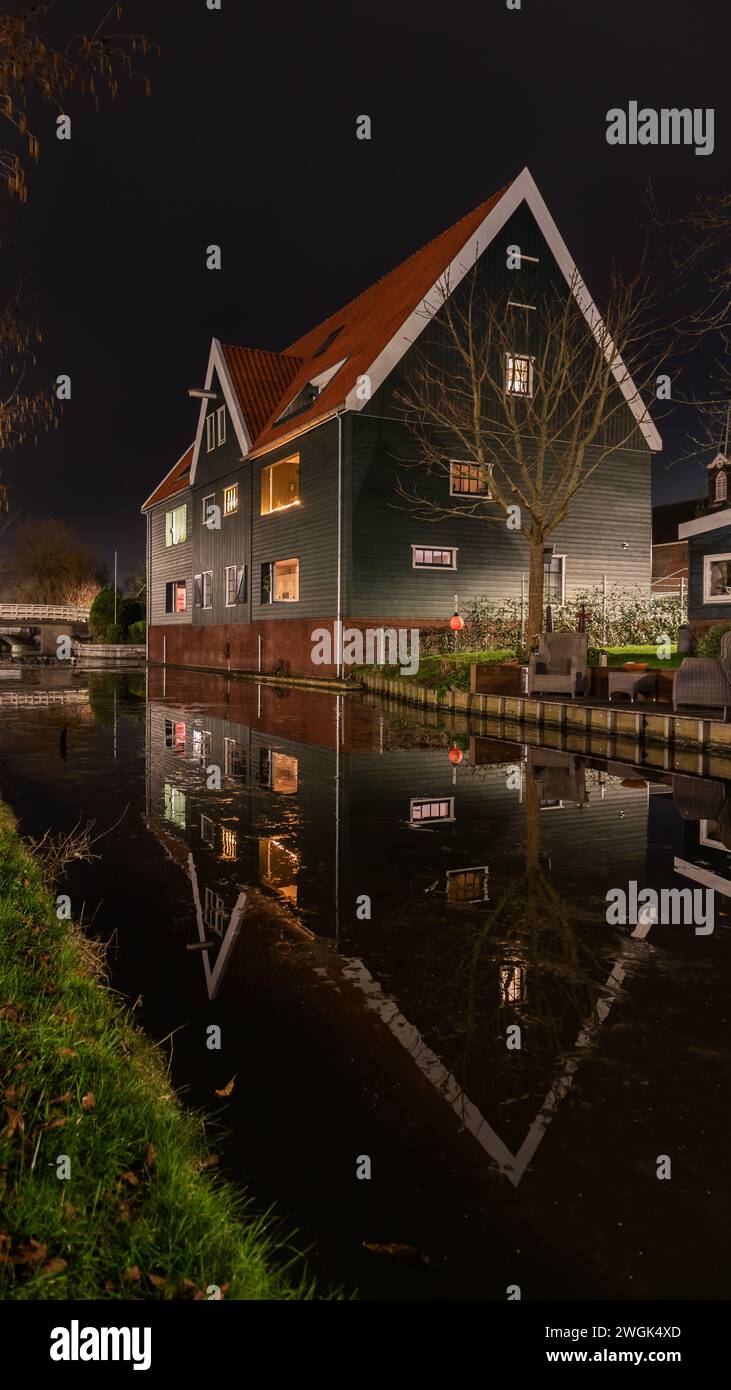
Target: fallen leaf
(89, 1101)
(32, 1253)
(157, 1280)
(125, 1210)
(186, 1286)
(401, 1252)
(61, 1100)
(68, 1052)
(130, 1177)
(15, 1125)
(132, 1275)
(55, 1124)
(150, 1155)
(9, 1011)
(55, 1266)
(209, 1162)
(70, 1210)
(228, 1088)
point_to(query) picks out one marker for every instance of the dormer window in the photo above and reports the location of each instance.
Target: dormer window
(324, 345)
(721, 486)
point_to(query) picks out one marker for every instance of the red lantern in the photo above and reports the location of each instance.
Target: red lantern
(455, 755)
(456, 623)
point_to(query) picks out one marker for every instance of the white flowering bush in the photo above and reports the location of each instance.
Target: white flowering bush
(631, 618)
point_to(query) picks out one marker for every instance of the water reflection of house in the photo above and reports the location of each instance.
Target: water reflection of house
(296, 800)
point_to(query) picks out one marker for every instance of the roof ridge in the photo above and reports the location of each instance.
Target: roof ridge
(493, 198)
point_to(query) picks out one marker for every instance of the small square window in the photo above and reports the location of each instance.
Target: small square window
(468, 480)
(231, 499)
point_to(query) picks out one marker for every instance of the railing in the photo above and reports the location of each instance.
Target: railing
(58, 612)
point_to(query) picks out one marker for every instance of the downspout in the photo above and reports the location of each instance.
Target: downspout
(339, 619)
(148, 587)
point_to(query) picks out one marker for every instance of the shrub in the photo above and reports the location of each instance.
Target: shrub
(136, 632)
(709, 642)
(631, 617)
(102, 614)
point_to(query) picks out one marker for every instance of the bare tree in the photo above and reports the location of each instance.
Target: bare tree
(48, 565)
(32, 70)
(533, 399)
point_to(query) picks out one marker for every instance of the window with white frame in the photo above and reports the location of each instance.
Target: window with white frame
(174, 804)
(208, 830)
(176, 530)
(203, 589)
(231, 578)
(175, 735)
(210, 432)
(468, 479)
(721, 486)
(202, 746)
(467, 885)
(214, 911)
(518, 375)
(427, 810)
(717, 579)
(176, 592)
(554, 578)
(206, 506)
(280, 581)
(429, 557)
(231, 499)
(221, 424)
(234, 758)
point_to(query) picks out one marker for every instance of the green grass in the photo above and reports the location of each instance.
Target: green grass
(616, 656)
(451, 670)
(142, 1215)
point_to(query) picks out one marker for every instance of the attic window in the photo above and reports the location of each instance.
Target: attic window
(327, 341)
(302, 400)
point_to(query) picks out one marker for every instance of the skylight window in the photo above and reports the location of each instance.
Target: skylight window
(324, 345)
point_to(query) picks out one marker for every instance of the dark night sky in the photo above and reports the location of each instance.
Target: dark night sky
(249, 141)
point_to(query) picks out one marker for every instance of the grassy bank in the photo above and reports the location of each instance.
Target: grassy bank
(451, 670)
(142, 1215)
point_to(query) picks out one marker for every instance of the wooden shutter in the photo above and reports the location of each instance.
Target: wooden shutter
(198, 591)
(241, 585)
(266, 583)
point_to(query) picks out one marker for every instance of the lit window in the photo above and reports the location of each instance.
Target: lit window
(231, 499)
(280, 581)
(280, 485)
(234, 758)
(228, 843)
(175, 735)
(512, 983)
(428, 557)
(467, 885)
(221, 424)
(468, 480)
(175, 526)
(208, 830)
(518, 375)
(174, 805)
(210, 433)
(201, 746)
(176, 596)
(721, 487)
(208, 507)
(432, 809)
(717, 579)
(278, 868)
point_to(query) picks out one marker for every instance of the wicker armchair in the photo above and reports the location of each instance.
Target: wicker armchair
(705, 680)
(559, 665)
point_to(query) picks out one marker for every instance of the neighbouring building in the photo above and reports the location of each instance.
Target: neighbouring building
(282, 518)
(708, 538)
(669, 553)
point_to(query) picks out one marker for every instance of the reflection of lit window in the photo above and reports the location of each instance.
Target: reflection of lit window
(278, 771)
(207, 830)
(228, 843)
(175, 735)
(175, 805)
(234, 758)
(425, 810)
(201, 745)
(467, 885)
(278, 867)
(512, 983)
(518, 375)
(214, 912)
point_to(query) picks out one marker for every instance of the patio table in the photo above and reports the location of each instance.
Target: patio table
(632, 683)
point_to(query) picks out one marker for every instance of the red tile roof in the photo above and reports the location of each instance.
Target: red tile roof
(260, 380)
(175, 481)
(367, 325)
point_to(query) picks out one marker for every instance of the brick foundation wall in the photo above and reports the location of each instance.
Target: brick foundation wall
(236, 648)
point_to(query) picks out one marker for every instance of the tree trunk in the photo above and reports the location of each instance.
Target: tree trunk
(535, 591)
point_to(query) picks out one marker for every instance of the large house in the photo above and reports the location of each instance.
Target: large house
(708, 538)
(282, 518)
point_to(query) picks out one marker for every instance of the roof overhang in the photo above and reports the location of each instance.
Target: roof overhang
(713, 522)
(150, 502)
(217, 363)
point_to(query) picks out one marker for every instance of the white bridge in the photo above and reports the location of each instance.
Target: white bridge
(32, 613)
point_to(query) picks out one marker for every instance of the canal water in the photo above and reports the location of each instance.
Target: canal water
(452, 1074)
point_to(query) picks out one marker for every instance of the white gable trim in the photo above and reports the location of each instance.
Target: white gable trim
(217, 362)
(720, 461)
(523, 189)
(713, 522)
(170, 471)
